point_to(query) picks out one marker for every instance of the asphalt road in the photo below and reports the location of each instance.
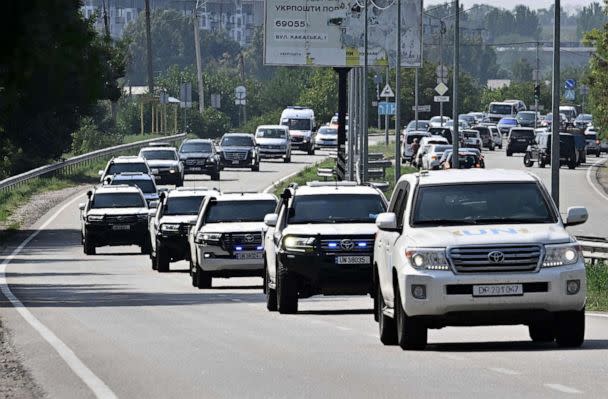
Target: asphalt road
(118, 328)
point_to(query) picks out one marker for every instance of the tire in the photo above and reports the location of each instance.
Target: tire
(311, 150)
(509, 153)
(571, 164)
(154, 261)
(500, 146)
(527, 162)
(597, 154)
(162, 258)
(411, 333)
(287, 292)
(570, 328)
(202, 279)
(271, 295)
(179, 182)
(491, 147)
(215, 176)
(193, 274)
(287, 159)
(255, 168)
(387, 329)
(89, 247)
(541, 332)
(146, 248)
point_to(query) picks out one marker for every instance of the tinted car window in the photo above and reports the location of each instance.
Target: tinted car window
(528, 134)
(239, 211)
(183, 205)
(271, 133)
(196, 147)
(336, 208)
(117, 200)
(160, 155)
(237, 141)
(117, 168)
(146, 186)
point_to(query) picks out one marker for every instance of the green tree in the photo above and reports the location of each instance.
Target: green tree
(522, 71)
(321, 93)
(598, 77)
(590, 17)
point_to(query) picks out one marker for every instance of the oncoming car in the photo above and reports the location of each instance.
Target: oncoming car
(124, 164)
(273, 142)
(164, 164)
(327, 137)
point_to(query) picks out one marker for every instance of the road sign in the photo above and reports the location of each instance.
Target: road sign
(441, 89)
(387, 92)
(569, 95)
(240, 102)
(442, 99)
(570, 84)
(240, 92)
(442, 71)
(216, 101)
(185, 95)
(386, 108)
(442, 80)
(584, 90)
(422, 108)
(535, 75)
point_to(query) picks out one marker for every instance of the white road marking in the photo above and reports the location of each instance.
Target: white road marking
(563, 388)
(344, 328)
(453, 357)
(504, 371)
(95, 384)
(590, 180)
(604, 315)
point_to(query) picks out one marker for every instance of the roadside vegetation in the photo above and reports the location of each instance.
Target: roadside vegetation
(597, 287)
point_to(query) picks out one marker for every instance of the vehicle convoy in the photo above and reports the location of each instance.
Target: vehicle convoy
(164, 164)
(320, 242)
(326, 137)
(540, 151)
(198, 156)
(175, 214)
(273, 142)
(114, 215)
(145, 183)
(301, 124)
(122, 164)
(519, 139)
(239, 150)
(477, 247)
(227, 240)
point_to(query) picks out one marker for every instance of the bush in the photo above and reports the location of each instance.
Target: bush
(88, 138)
(269, 118)
(211, 124)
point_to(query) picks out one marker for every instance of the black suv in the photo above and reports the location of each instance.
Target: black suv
(519, 139)
(486, 137)
(199, 157)
(239, 150)
(540, 151)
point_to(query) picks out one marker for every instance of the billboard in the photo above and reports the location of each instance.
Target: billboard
(332, 33)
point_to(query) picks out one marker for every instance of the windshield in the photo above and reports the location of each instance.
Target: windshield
(422, 125)
(160, 155)
(183, 205)
(297, 124)
(117, 168)
(502, 109)
(584, 117)
(336, 208)
(239, 211)
(483, 131)
(591, 136)
(146, 186)
(237, 141)
(328, 131)
(195, 147)
(117, 200)
(469, 135)
(526, 116)
(528, 134)
(494, 203)
(271, 133)
(441, 148)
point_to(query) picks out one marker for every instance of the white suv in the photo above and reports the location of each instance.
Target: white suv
(477, 247)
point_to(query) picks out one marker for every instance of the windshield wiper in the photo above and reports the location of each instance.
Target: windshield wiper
(445, 222)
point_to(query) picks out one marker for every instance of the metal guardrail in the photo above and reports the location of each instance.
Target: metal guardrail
(72, 163)
(595, 249)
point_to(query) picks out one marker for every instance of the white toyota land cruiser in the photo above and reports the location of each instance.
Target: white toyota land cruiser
(477, 247)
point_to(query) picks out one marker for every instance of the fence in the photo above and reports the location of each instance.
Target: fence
(595, 249)
(69, 165)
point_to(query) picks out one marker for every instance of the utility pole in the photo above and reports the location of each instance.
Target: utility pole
(149, 51)
(416, 96)
(199, 61)
(386, 119)
(442, 31)
(555, 107)
(398, 97)
(365, 94)
(536, 84)
(456, 72)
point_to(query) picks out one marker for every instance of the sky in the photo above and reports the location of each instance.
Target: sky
(510, 4)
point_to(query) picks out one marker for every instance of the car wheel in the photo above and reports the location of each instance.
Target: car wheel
(541, 164)
(541, 332)
(411, 333)
(527, 162)
(203, 278)
(570, 328)
(287, 159)
(255, 168)
(311, 150)
(492, 147)
(215, 176)
(154, 259)
(571, 164)
(271, 295)
(386, 325)
(597, 154)
(89, 247)
(193, 273)
(146, 247)
(162, 258)
(509, 153)
(287, 291)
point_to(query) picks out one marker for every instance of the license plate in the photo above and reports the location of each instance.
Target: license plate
(121, 227)
(235, 162)
(352, 260)
(196, 168)
(498, 290)
(249, 255)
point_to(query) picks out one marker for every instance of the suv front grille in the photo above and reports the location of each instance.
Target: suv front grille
(247, 241)
(504, 258)
(184, 229)
(235, 155)
(121, 219)
(195, 161)
(361, 244)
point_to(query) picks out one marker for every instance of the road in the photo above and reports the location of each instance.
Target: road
(118, 328)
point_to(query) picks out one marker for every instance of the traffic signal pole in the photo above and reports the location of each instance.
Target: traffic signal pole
(555, 108)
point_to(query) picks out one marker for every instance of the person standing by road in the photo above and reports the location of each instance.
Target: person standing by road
(415, 148)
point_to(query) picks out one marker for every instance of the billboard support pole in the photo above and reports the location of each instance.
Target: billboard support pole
(342, 107)
(398, 97)
(555, 124)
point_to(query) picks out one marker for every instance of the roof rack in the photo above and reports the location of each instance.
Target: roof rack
(242, 192)
(130, 174)
(344, 183)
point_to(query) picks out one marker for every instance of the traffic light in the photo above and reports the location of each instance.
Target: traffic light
(537, 92)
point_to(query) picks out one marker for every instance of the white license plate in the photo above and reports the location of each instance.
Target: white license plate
(249, 255)
(121, 227)
(498, 290)
(352, 260)
(196, 168)
(235, 162)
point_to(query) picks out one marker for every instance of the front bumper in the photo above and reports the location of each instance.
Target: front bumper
(320, 274)
(101, 234)
(201, 167)
(267, 153)
(321, 143)
(448, 293)
(176, 244)
(166, 177)
(299, 143)
(517, 147)
(237, 163)
(221, 262)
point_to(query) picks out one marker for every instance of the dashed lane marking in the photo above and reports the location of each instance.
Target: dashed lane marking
(504, 371)
(563, 389)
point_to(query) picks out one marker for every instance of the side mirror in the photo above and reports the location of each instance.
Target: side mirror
(100, 173)
(387, 221)
(81, 206)
(576, 215)
(270, 220)
(153, 205)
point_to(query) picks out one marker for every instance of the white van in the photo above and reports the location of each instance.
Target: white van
(301, 124)
(570, 112)
(498, 110)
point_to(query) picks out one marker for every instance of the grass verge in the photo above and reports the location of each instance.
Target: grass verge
(305, 175)
(597, 287)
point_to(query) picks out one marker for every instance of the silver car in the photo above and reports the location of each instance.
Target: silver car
(273, 142)
(327, 137)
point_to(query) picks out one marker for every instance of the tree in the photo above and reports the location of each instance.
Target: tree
(598, 77)
(522, 71)
(526, 22)
(321, 93)
(590, 17)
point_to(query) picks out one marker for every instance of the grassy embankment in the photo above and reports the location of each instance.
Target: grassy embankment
(597, 287)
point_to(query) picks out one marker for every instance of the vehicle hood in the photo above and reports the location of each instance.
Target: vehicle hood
(161, 163)
(178, 219)
(332, 229)
(237, 227)
(117, 211)
(269, 141)
(489, 234)
(194, 155)
(300, 132)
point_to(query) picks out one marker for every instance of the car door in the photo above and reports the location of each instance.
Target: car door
(274, 240)
(392, 253)
(154, 224)
(194, 231)
(270, 250)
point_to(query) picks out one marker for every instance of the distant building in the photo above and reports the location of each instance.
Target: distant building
(118, 17)
(494, 84)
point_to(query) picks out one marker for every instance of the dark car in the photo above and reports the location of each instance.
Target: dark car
(527, 118)
(580, 146)
(540, 151)
(519, 139)
(582, 121)
(486, 137)
(239, 150)
(200, 157)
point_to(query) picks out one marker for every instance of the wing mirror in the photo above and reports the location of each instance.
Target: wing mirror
(387, 221)
(153, 204)
(100, 173)
(270, 220)
(576, 215)
(81, 206)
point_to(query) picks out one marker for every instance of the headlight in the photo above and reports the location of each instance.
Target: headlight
(169, 227)
(562, 255)
(427, 258)
(211, 236)
(172, 170)
(95, 218)
(299, 244)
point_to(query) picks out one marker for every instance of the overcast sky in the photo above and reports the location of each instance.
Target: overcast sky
(510, 4)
